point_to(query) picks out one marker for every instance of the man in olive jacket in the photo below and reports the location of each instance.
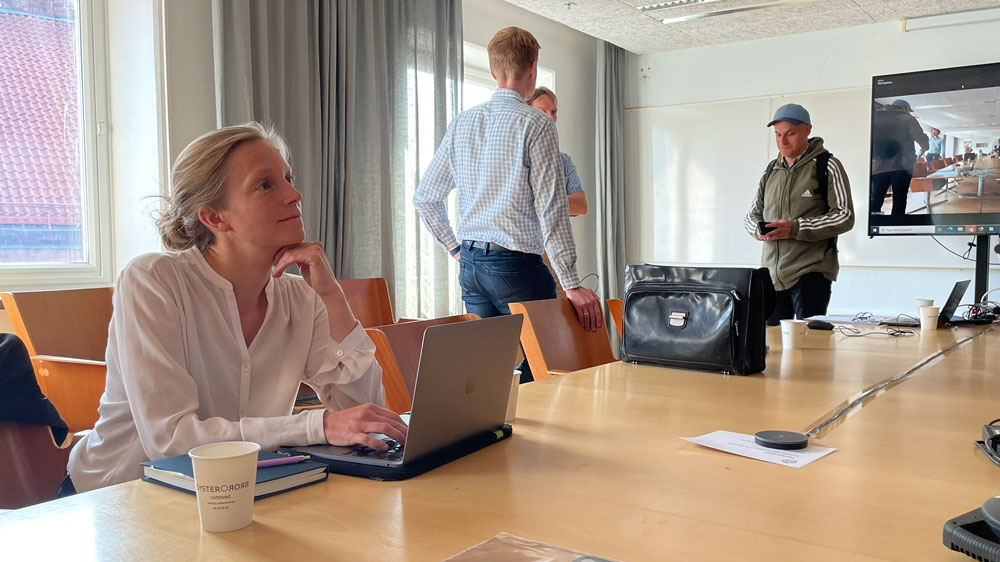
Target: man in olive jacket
(802, 213)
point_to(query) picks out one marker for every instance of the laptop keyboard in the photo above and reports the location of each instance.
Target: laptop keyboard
(394, 453)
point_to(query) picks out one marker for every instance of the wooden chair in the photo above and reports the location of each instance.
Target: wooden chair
(919, 182)
(949, 161)
(615, 308)
(937, 164)
(369, 300)
(66, 333)
(405, 340)
(554, 341)
(397, 398)
(33, 464)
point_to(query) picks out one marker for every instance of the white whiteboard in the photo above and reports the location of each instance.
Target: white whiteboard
(692, 172)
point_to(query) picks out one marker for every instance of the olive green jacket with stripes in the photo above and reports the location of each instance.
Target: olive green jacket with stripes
(791, 193)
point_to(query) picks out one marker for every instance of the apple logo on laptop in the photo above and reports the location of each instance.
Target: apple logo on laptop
(470, 386)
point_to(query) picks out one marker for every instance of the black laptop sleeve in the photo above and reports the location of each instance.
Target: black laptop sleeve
(704, 318)
(410, 469)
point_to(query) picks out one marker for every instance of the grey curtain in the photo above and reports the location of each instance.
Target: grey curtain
(363, 91)
(267, 69)
(611, 170)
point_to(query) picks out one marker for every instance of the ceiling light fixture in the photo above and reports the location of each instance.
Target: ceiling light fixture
(673, 4)
(729, 11)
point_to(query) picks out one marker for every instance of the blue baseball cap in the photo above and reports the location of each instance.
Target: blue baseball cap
(792, 113)
(903, 104)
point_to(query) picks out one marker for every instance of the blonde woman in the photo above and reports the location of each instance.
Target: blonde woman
(210, 342)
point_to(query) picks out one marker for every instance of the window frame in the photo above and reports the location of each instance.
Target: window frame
(477, 69)
(95, 170)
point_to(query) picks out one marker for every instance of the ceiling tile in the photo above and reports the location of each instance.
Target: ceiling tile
(772, 22)
(620, 23)
(889, 10)
(575, 10)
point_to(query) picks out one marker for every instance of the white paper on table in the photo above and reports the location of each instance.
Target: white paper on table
(744, 445)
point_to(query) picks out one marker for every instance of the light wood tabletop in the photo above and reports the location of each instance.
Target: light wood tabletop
(596, 464)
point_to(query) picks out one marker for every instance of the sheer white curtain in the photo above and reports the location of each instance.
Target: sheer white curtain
(363, 90)
(430, 82)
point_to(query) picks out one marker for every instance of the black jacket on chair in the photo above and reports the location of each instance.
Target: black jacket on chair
(20, 398)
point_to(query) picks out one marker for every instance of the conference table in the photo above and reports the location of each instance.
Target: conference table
(596, 464)
(958, 177)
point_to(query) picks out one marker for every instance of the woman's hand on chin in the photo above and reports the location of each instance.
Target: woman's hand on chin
(311, 259)
(316, 271)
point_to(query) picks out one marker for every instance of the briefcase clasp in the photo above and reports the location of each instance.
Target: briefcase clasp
(678, 319)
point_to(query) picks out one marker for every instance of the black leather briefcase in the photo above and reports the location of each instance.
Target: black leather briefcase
(705, 318)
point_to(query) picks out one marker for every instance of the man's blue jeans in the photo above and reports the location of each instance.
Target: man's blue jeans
(492, 277)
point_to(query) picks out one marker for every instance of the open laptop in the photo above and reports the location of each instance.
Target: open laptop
(947, 315)
(459, 402)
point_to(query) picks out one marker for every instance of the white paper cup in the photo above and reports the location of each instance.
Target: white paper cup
(924, 302)
(515, 383)
(929, 317)
(792, 332)
(224, 479)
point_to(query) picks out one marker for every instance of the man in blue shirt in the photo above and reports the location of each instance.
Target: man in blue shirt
(936, 149)
(503, 158)
(545, 101)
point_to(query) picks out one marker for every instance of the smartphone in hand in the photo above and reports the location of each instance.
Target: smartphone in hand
(763, 229)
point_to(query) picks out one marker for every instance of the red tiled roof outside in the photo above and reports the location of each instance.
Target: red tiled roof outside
(39, 147)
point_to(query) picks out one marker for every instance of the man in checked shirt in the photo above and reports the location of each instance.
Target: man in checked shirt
(503, 158)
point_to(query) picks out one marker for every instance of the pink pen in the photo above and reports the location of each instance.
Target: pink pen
(281, 461)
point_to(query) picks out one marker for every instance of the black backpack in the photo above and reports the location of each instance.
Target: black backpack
(822, 183)
(888, 134)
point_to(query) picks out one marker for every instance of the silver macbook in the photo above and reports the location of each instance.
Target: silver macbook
(463, 381)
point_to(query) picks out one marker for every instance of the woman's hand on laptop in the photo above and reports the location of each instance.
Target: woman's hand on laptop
(352, 426)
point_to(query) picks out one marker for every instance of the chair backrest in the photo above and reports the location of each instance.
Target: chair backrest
(369, 300)
(71, 323)
(949, 160)
(555, 342)
(919, 170)
(937, 164)
(406, 338)
(397, 398)
(33, 464)
(615, 308)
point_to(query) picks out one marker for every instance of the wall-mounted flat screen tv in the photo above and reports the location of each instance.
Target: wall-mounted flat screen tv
(935, 152)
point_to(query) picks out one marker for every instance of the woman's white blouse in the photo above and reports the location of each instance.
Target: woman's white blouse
(181, 375)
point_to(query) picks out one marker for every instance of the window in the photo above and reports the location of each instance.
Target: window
(479, 83)
(53, 155)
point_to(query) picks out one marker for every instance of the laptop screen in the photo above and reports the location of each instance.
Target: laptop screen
(954, 299)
